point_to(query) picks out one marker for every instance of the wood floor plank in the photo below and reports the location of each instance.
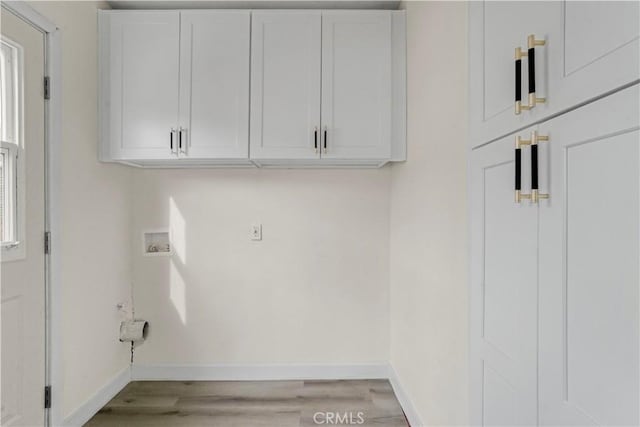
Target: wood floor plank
(251, 404)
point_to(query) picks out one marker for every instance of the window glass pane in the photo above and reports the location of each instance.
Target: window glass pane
(3, 196)
(8, 92)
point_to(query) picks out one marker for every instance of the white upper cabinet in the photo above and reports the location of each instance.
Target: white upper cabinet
(356, 85)
(285, 85)
(214, 84)
(139, 100)
(579, 51)
(175, 87)
(241, 87)
(324, 88)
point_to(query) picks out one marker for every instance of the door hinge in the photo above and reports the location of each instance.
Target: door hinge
(47, 87)
(47, 242)
(47, 397)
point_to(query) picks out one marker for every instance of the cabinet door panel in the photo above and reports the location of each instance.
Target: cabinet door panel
(285, 84)
(503, 290)
(356, 84)
(143, 69)
(589, 266)
(594, 52)
(214, 83)
(496, 29)
(591, 49)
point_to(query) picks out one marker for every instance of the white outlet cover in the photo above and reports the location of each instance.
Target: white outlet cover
(256, 232)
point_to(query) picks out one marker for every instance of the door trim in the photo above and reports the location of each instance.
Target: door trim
(52, 144)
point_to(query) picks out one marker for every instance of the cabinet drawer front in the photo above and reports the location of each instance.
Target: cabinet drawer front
(143, 62)
(214, 83)
(356, 84)
(285, 84)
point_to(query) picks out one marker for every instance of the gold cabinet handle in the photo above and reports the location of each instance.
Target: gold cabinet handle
(533, 100)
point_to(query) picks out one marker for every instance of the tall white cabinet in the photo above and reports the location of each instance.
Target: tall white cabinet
(555, 215)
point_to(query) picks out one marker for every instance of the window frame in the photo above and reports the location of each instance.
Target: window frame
(15, 248)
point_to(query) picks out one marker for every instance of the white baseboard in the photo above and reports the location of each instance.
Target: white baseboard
(258, 372)
(92, 405)
(406, 403)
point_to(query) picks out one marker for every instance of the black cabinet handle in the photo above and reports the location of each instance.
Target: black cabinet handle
(315, 139)
(518, 183)
(171, 136)
(325, 140)
(518, 80)
(535, 193)
(531, 59)
(518, 162)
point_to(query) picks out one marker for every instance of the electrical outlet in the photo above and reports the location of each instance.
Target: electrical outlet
(256, 232)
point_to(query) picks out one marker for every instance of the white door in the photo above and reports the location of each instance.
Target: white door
(496, 29)
(22, 209)
(143, 63)
(285, 85)
(503, 289)
(356, 85)
(595, 51)
(214, 84)
(589, 266)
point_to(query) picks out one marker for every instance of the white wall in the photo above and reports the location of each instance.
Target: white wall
(429, 333)
(314, 290)
(95, 272)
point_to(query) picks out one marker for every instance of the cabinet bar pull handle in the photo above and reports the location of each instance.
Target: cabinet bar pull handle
(518, 172)
(531, 59)
(171, 135)
(325, 140)
(518, 80)
(315, 139)
(518, 162)
(535, 194)
(180, 145)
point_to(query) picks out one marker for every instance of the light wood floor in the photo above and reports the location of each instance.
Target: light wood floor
(251, 403)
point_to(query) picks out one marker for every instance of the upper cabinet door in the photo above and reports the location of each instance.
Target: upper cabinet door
(214, 84)
(590, 49)
(595, 51)
(496, 29)
(356, 85)
(285, 85)
(142, 62)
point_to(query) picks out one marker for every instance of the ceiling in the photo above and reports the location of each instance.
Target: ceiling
(255, 4)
